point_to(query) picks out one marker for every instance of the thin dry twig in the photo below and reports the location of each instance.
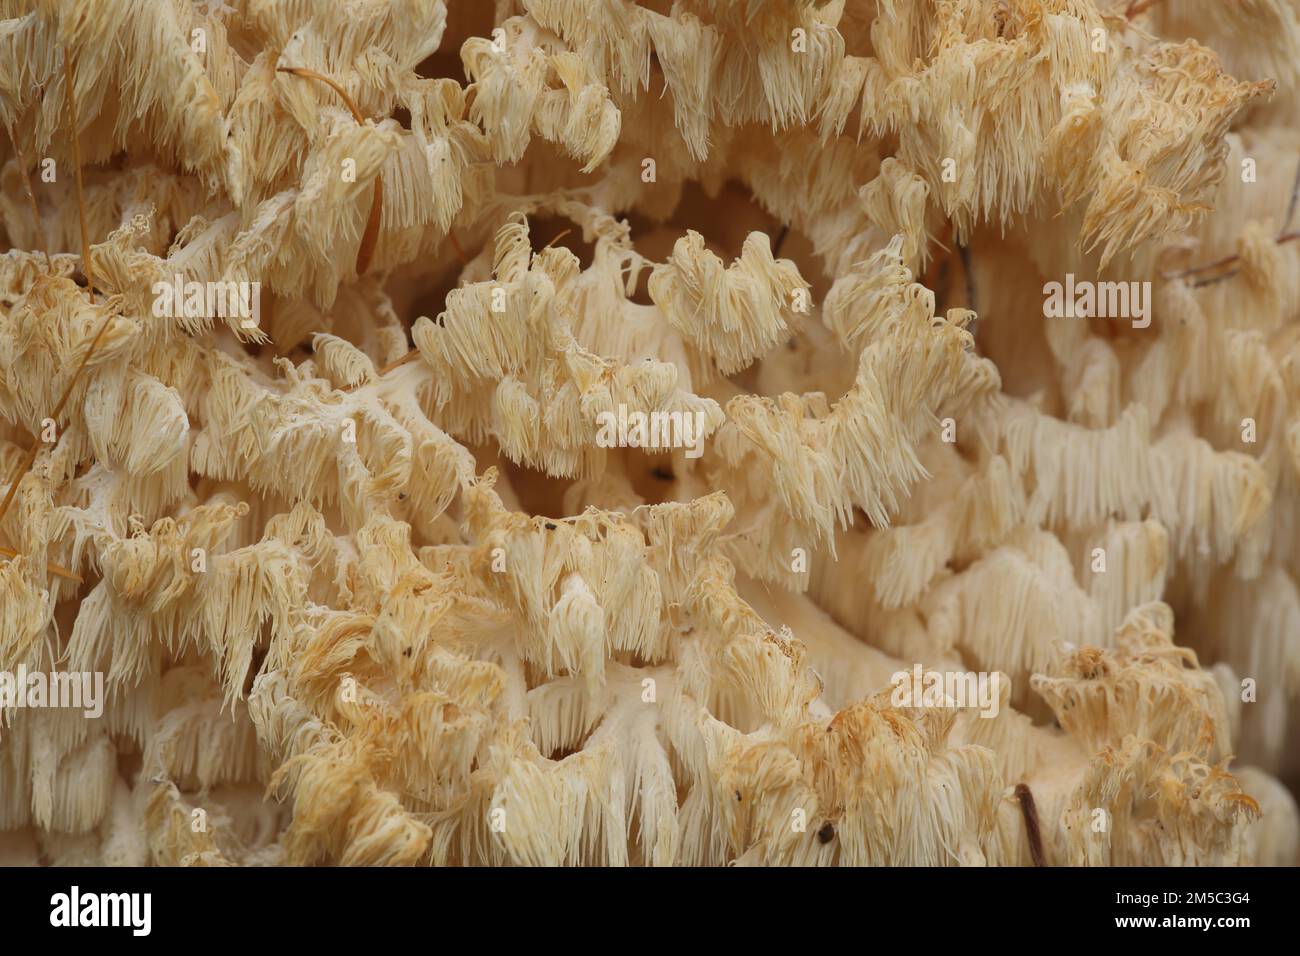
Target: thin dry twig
(968, 275)
(69, 71)
(1138, 6)
(1295, 196)
(1283, 237)
(53, 568)
(406, 359)
(780, 239)
(557, 237)
(1030, 813)
(370, 237)
(31, 196)
(1221, 263)
(460, 253)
